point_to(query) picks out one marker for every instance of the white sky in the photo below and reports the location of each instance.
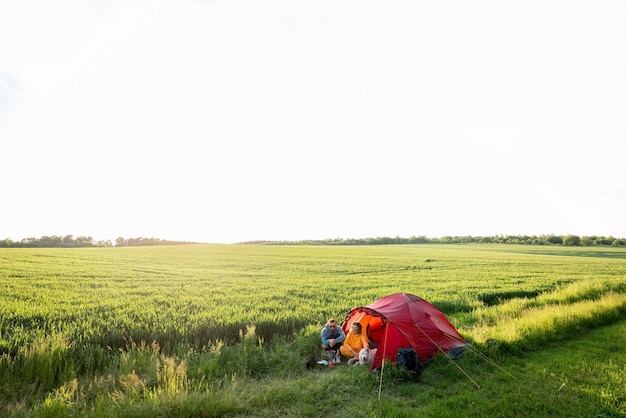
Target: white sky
(225, 121)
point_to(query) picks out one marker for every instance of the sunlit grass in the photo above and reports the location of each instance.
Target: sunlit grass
(528, 327)
(140, 331)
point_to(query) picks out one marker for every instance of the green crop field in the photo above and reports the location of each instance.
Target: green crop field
(225, 330)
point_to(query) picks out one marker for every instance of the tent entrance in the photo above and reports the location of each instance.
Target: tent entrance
(372, 323)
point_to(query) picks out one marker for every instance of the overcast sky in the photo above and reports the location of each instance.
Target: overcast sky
(227, 121)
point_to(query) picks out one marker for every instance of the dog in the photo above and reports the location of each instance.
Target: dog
(366, 356)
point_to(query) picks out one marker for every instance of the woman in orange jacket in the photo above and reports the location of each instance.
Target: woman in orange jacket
(355, 341)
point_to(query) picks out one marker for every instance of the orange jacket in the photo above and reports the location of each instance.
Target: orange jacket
(356, 342)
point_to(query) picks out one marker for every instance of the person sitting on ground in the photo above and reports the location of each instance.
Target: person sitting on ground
(332, 339)
(355, 341)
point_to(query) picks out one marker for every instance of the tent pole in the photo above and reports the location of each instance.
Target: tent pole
(382, 368)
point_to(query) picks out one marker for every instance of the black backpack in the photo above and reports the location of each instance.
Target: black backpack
(408, 360)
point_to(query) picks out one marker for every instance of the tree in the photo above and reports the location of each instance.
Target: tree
(84, 241)
(571, 240)
(553, 239)
(587, 241)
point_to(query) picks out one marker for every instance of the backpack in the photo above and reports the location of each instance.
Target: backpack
(408, 360)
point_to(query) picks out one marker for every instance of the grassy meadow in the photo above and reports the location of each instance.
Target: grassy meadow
(225, 330)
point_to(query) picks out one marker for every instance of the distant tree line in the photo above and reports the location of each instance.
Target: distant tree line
(55, 241)
(568, 240)
(138, 242)
(69, 241)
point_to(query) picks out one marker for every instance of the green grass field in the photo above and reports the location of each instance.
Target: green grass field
(212, 330)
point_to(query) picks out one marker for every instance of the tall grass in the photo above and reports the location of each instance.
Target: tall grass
(538, 325)
(43, 363)
(145, 382)
(180, 331)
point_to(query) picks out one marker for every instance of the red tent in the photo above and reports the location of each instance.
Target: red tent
(404, 320)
